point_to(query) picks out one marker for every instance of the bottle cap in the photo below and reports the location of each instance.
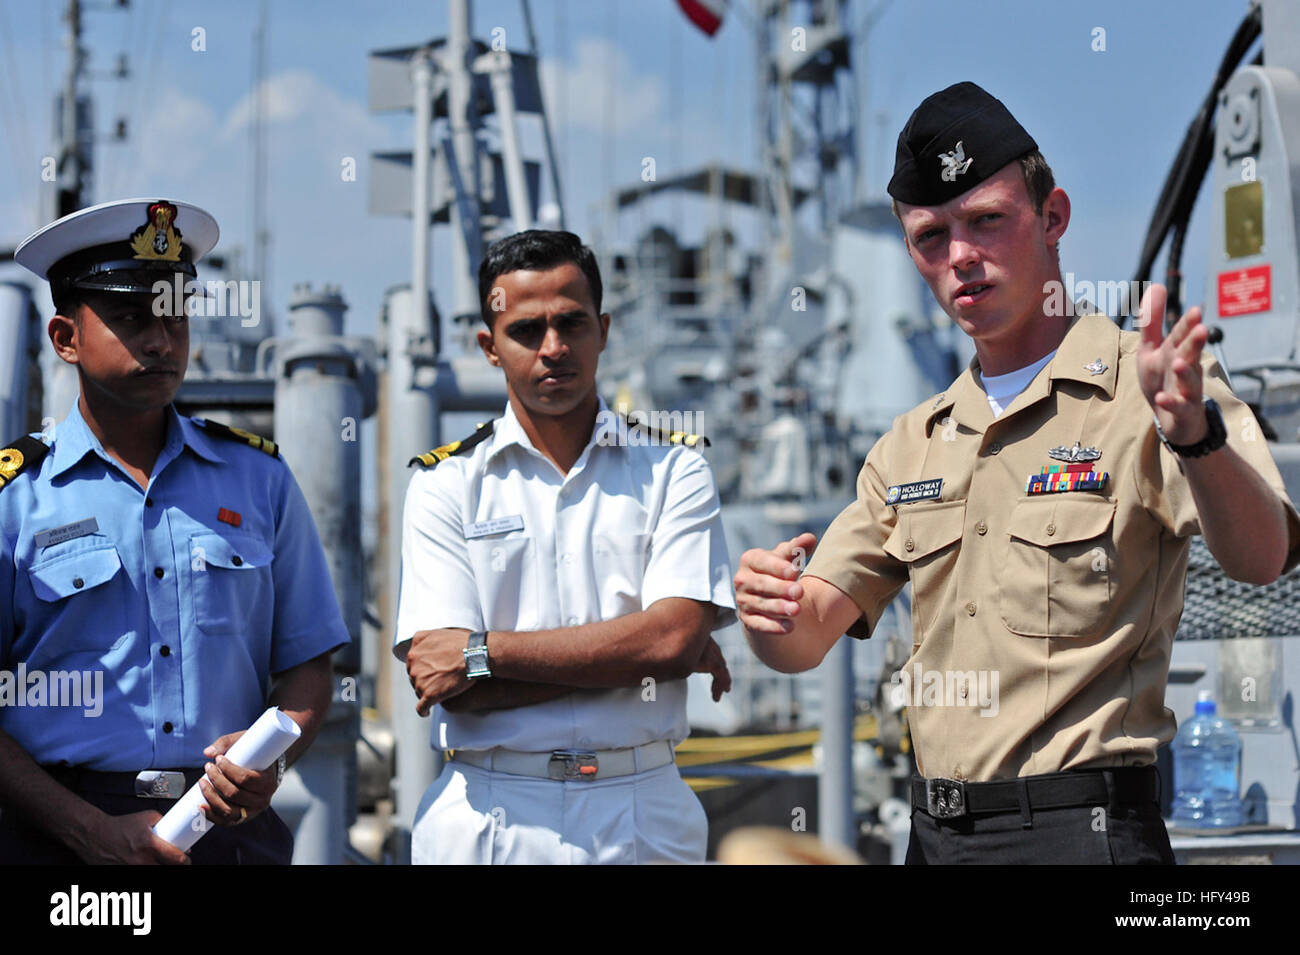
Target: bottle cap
(1205, 704)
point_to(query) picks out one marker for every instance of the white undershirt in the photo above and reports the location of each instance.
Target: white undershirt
(1003, 389)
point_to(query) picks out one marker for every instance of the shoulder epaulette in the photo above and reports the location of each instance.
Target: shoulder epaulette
(238, 434)
(20, 455)
(430, 458)
(685, 438)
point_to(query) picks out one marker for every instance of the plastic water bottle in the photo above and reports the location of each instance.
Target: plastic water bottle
(1207, 752)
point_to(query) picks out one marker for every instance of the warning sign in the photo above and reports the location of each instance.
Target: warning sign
(1245, 291)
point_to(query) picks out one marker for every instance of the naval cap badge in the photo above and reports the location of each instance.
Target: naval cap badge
(158, 238)
(1073, 455)
(954, 163)
(1095, 368)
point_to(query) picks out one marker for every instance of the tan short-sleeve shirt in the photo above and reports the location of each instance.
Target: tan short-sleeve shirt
(1042, 624)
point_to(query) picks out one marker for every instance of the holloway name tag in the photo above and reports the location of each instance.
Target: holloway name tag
(57, 535)
(916, 491)
(498, 525)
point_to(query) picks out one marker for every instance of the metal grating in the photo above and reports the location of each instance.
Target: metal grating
(1218, 607)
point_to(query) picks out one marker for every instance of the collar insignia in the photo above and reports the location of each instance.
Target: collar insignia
(954, 163)
(1096, 367)
(1073, 455)
(158, 238)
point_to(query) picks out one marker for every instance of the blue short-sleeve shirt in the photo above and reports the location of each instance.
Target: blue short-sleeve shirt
(139, 625)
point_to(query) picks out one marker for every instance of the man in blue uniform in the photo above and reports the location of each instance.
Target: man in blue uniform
(161, 580)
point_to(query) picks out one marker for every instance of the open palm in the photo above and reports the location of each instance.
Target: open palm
(1169, 368)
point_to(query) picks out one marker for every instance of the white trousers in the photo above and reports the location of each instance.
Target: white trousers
(472, 816)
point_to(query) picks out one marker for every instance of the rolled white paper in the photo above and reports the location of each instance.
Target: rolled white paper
(263, 743)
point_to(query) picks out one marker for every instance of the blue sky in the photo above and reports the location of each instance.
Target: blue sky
(624, 79)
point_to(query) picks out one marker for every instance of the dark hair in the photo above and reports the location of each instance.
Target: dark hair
(1039, 181)
(68, 300)
(535, 250)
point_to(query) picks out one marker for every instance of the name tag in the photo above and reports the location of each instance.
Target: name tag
(916, 491)
(57, 535)
(497, 525)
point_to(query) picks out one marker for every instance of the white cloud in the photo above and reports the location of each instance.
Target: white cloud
(299, 97)
(603, 86)
(171, 140)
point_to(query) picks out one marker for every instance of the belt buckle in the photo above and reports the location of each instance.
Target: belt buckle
(572, 764)
(159, 784)
(945, 798)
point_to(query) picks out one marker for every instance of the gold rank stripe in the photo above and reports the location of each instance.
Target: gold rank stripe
(255, 440)
(443, 452)
(430, 458)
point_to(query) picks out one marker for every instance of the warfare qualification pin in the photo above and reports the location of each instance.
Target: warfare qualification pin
(954, 163)
(1095, 368)
(1073, 455)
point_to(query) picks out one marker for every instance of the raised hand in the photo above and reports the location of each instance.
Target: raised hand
(1169, 368)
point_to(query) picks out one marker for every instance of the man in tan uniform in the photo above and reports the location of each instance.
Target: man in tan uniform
(1041, 518)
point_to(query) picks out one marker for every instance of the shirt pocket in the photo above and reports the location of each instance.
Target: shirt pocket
(619, 565)
(1055, 580)
(232, 584)
(501, 575)
(926, 540)
(87, 606)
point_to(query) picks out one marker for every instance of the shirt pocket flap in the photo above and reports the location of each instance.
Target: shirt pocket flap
(1047, 523)
(924, 529)
(70, 574)
(244, 552)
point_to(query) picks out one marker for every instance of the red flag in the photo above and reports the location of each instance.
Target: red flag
(705, 14)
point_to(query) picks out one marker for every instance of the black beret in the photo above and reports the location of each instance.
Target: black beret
(954, 140)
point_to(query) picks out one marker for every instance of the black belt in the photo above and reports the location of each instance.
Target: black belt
(954, 798)
(147, 784)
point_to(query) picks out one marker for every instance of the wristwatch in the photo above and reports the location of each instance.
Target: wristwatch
(281, 765)
(476, 656)
(1215, 438)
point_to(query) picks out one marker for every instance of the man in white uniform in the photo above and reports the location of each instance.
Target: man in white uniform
(561, 576)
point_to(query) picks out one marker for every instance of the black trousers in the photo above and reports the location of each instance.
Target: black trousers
(1104, 834)
(263, 840)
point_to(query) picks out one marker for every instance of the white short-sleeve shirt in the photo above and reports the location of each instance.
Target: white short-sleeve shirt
(629, 524)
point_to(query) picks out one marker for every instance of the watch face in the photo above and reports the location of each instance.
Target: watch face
(476, 662)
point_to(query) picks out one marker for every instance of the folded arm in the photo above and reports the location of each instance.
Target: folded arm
(668, 641)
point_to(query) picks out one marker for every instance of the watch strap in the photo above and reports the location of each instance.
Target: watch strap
(1215, 437)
